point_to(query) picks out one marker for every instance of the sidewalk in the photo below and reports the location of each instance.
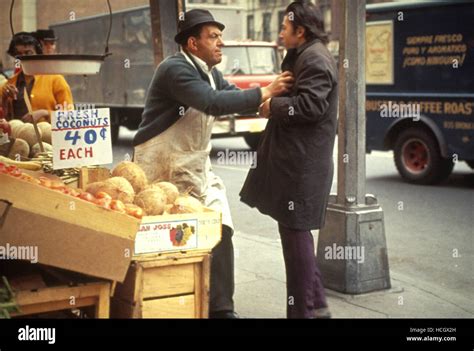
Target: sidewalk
(261, 290)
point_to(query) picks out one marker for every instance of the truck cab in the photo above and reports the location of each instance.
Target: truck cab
(247, 64)
(420, 86)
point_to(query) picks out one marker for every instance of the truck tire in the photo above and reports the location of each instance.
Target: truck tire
(252, 140)
(418, 159)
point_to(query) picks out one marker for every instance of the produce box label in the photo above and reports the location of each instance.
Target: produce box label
(81, 138)
(167, 236)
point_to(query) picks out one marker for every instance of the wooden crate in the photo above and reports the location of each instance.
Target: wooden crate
(59, 298)
(173, 285)
(69, 233)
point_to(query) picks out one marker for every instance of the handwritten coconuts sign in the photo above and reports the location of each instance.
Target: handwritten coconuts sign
(81, 138)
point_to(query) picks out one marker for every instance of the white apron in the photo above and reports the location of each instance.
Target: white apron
(180, 155)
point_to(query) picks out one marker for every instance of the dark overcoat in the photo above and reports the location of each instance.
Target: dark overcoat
(294, 171)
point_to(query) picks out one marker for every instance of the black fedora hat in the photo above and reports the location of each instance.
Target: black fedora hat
(192, 19)
(45, 34)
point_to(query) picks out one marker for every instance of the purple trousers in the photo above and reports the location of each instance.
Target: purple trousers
(305, 290)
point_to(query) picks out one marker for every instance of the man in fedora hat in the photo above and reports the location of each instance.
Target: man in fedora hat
(47, 39)
(173, 140)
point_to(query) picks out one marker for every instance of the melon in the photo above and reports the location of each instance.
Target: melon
(133, 173)
(27, 133)
(16, 125)
(117, 187)
(152, 201)
(169, 189)
(45, 128)
(19, 148)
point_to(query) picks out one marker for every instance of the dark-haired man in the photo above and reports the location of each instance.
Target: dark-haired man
(173, 140)
(47, 39)
(295, 167)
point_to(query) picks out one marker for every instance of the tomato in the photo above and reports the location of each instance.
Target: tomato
(14, 171)
(103, 195)
(57, 185)
(87, 197)
(118, 206)
(3, 168)
(46, 182)
(105, 203)
(73, 192)
(138, 213)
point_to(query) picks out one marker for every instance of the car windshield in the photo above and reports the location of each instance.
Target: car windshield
(241, 60)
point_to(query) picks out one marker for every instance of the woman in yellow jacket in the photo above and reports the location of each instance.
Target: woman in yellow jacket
(46, 92)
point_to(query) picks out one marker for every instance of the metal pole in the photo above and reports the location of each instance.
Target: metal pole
(351, 136)
(352, 250)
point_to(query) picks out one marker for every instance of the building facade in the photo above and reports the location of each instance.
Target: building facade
(245, 19)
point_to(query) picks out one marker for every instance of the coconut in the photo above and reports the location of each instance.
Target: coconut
(133, 173)
(187, 204)
(19, 148)
(169, 189)
(45, 128)
(117, 187)
(16, 125)
(35, 150)
(27, 133)
(153, 201)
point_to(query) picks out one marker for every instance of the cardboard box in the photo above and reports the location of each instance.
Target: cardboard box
(179, 232)
(68, 233)
(156, 232)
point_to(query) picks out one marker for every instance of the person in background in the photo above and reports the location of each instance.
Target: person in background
(3, 81)
(295, 156)
(47, 39)
(46, 92)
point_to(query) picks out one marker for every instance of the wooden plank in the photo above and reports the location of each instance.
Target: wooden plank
(50, 306)
(168, 281)
(172, 307)
(170, 255)
(103, 306)
(198, 290)
(61, 293)
(205, 287)
(172, 261)
(29, 282)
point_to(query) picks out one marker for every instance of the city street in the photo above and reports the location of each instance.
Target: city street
(429, 231)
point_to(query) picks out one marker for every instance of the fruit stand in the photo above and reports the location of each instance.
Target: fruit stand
(170, 269)
(154, 266)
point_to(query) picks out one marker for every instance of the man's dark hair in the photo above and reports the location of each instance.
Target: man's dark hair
(23, 38)
(193, 32)
(307, 15)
